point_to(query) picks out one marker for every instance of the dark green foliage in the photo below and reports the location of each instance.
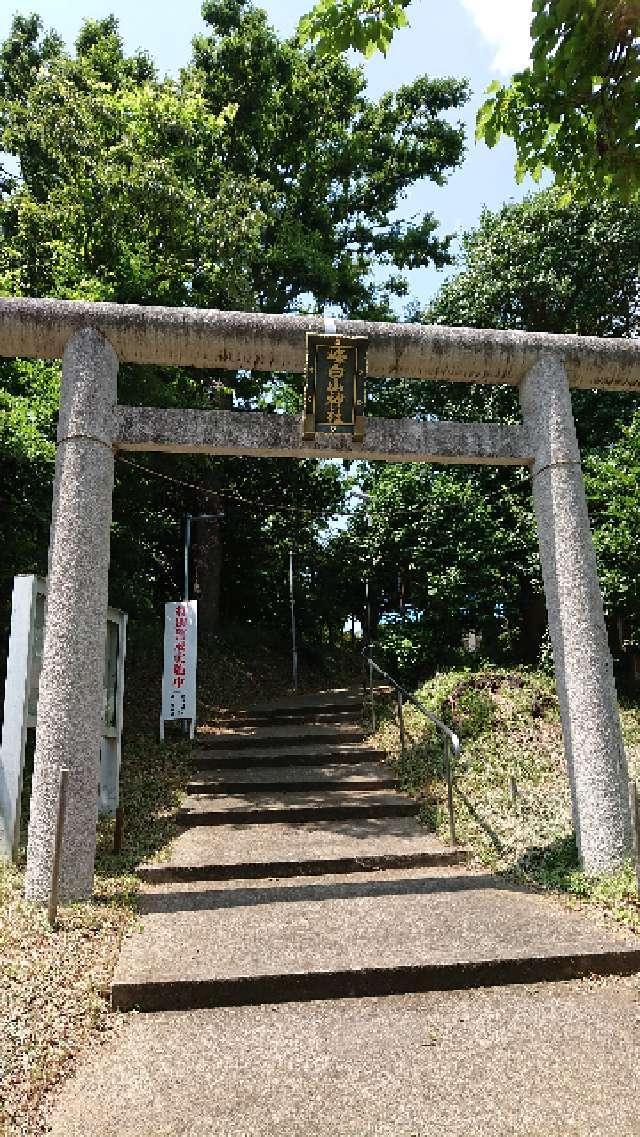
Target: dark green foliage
(263, 175)
(452, 552)
(330, 164)
(613, 478)
(464, 540)
(263, 178)
(28, 413)
(548, 265)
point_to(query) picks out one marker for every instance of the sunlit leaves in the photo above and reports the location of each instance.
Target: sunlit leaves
(613, 478)
(365, 25)
(574, 111)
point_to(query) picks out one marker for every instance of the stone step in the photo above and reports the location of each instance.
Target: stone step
(264, 808)
(274, 779)
(250, 737)
(345, 699)
(552, 1060)
(211, 944)
(306, 717)
(314, 755)
(226, 852)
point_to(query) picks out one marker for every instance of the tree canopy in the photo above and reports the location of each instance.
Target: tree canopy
(263, 178)
(463, 540)
(365, 25)
(573, 111)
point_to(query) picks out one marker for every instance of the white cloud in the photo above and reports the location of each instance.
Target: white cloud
(505, 25)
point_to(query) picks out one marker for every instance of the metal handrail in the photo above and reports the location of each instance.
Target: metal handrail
(452, 744)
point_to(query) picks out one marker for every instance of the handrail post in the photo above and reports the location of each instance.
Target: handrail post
(401, 720)
(451, 741)
(635, 829)
(57, 853)
(450, 806)
(118, 832)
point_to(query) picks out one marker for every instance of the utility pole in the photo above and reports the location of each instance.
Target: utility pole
(188, 517)
(294, 649)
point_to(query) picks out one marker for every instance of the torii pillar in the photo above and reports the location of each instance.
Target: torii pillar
(594, 749)
(71, 683)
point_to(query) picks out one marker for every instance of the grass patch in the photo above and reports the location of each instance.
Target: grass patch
(512, 793)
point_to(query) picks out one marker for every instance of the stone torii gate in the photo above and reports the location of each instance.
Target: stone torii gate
(91, 339)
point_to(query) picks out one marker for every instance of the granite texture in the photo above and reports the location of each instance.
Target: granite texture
(207, 338)
(71, 685)
(281, 436)
(584, 674)
(558, 1060)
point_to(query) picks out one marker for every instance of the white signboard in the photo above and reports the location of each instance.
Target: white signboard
(28, 618)
(180, 663)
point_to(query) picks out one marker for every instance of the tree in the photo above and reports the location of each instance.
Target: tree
(552, 265)
(365, 25)
(445, 555)
(262, 176)
(100, 141)
(28, 412)
(544, 264)
(334, 164)
(556, 265)
(612, 477)
(575, 109)
(262, 179)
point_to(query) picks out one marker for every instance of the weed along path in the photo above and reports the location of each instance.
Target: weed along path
(310, 960)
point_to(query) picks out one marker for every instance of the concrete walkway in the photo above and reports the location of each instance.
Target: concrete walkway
(555, 1060)
(301, 878)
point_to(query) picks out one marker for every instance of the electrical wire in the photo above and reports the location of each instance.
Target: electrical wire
(232, 495)
(422, 510)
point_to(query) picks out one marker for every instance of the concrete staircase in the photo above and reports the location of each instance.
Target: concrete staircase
(302, 873)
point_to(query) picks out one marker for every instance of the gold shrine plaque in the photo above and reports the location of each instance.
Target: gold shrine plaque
(335, 385)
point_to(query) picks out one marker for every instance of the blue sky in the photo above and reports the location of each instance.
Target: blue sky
(479, 39)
